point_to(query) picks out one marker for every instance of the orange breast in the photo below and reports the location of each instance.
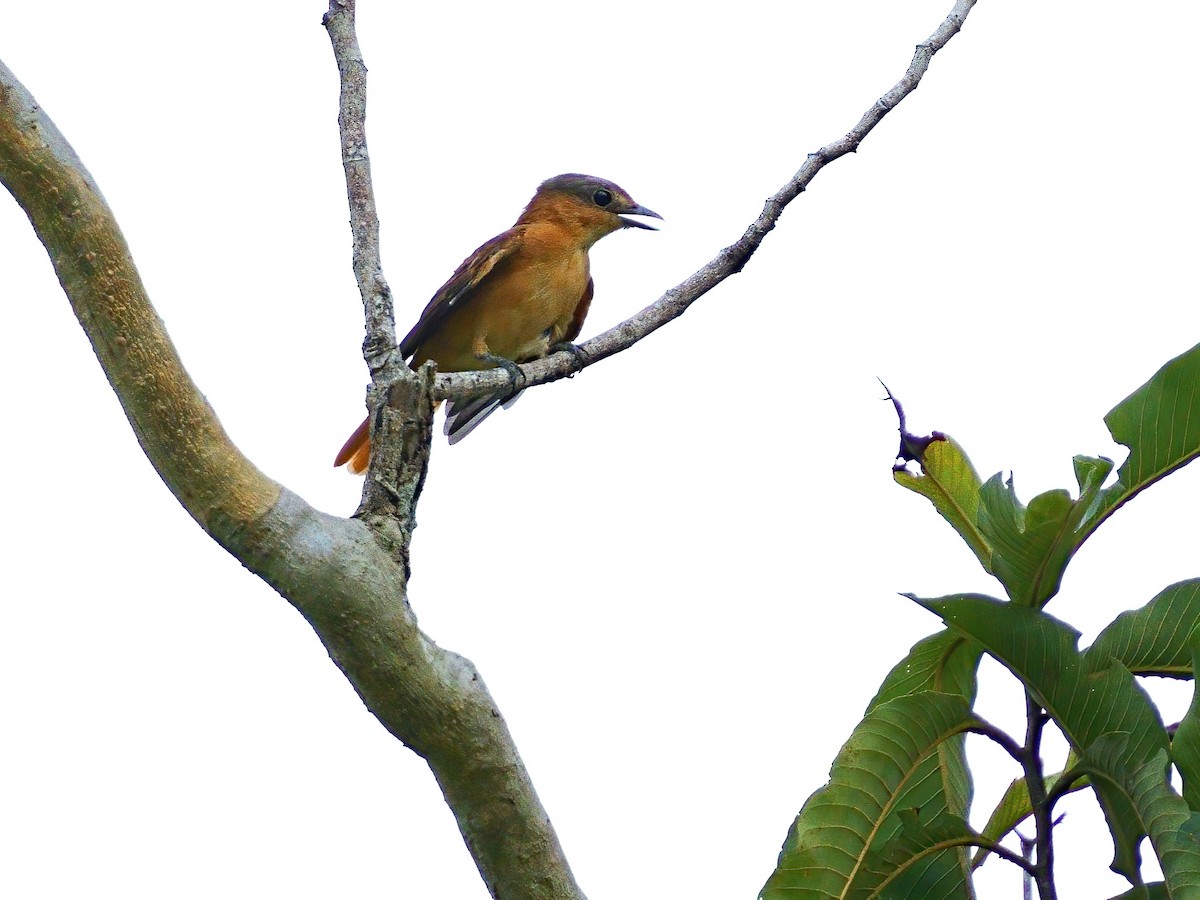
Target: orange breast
(519, 310)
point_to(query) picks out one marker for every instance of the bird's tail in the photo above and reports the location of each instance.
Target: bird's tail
(356, 452)
(464, 416)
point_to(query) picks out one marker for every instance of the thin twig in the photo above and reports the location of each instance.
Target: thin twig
(1001, 738)
(1004, 853)
(729, 261)
(380, 341)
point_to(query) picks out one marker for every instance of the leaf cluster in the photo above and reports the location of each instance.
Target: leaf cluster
(892, 822)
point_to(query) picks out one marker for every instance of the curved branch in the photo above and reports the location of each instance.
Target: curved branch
(337, 572)
(176, 427)
(986, 729)
(729, 261)
(344, 575)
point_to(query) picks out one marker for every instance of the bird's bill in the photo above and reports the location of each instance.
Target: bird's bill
(638, 211)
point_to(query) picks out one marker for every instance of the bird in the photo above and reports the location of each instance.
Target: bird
(519, 297)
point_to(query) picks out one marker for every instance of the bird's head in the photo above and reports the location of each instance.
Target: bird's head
(597, 206)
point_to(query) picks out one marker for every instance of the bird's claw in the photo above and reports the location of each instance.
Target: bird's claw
(578, 353)
(515, 376)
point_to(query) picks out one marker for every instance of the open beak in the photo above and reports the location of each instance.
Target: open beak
(638, 211)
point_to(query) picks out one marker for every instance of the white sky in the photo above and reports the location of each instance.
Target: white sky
(677, 572)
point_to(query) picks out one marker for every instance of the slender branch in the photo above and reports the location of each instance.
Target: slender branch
(971, 840)
(380, 341)
(1068, 781)
(401, 405)
(729, 261)
(1043, 874)
(473, 756)
(1001, 738)
(1027, 847)
(335, 571)
(1004, 853)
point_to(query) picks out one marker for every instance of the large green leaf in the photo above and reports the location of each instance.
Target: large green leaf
(1174, 829)
(906, 865)
(1159, 425)
(950, 483)
(1185, 748)
(877, 773)
(1089, 696)
(1153, 640)
(1028, 548)
(944, 662)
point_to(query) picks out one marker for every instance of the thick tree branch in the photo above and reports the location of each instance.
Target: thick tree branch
(347, 577)
(176, 427)
(336, 572)
(478, 767)
(729, 261)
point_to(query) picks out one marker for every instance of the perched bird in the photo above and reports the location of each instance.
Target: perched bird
(519, 297)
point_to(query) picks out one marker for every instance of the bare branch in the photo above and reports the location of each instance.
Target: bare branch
(347, 577)
(468, 746)
(729, 261)
(380, 341)
(401, 405)
(337, 572)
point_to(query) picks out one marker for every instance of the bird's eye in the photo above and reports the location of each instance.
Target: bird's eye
(602, 197)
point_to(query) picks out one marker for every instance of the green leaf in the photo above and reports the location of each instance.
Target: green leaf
(1032, 545)
(1174, 829)
(877, 773)
(1185, 748)
(1157, 422)
(1153, 640)
(950, 483)
(1028, 548)
(947, 664)
(943, 662)
(905, 866)
(1089, 696)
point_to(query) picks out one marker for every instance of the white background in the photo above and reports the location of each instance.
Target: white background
(679, 571)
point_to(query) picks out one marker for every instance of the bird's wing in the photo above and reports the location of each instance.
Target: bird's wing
(581, 312)
(458, 290)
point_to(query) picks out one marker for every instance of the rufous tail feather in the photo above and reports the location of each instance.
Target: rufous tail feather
(356, 452)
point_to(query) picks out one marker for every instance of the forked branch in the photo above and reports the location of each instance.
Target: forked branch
(347, 577)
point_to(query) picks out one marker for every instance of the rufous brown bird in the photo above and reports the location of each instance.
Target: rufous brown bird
(519, 297)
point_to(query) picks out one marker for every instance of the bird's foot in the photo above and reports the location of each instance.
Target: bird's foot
(577, 352)
(515, 376)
